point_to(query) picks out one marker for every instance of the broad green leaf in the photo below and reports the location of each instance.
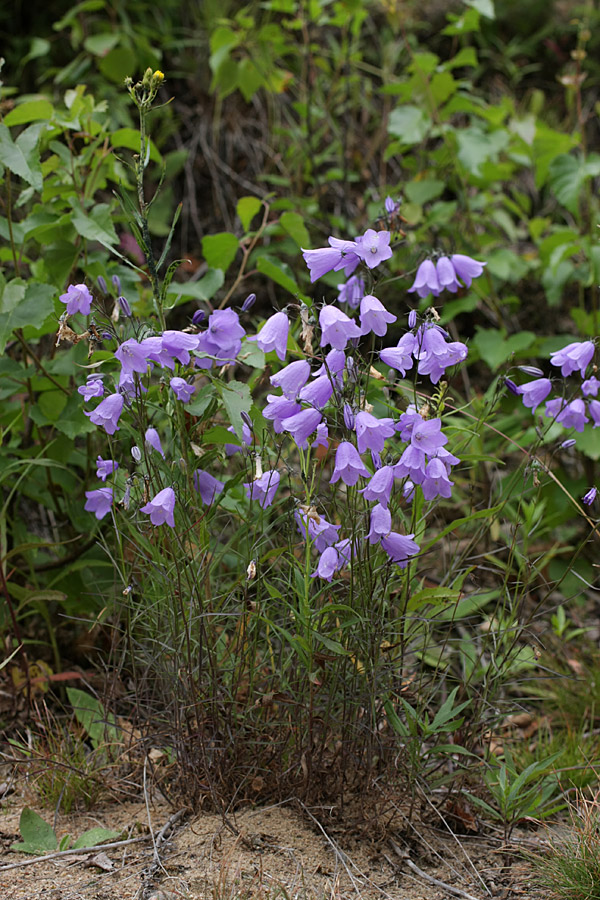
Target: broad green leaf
(31, 111)
(548, 144)
(21, 157)
(203, 289)
(467, 56)
(247, 208)
(100, 44)
(38, 836)
(236, 399)
(95, 836)
(468, 22)
(219, 249)
(484, 7)
(278, 272)
(293, 223)
(23, 304)
(409, 123)
(130, 138)
(494, 349)
(91, 716)
(476, 146)
(97, 225)
(117, 64)
(567, 176)
(423, 191)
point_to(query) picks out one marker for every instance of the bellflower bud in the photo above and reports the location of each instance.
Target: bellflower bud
(116, 283)
(125, 307)
(136, 453)
(248, 302)
(412, 318)
(198, 316)
(102, 284)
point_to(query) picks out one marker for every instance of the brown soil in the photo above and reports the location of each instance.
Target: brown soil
(278, 854)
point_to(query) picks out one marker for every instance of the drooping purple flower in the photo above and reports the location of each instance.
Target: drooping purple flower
(301, 425)
(434, 354)
(317, 392)
(400, 357)
(154, 351)
(99, 501)
(408, 490)
(129, 387)
(535, 392)
(380, 523)
(590, 387)
(466, 268)
(589, 498)
(574, 357)
(391, 205)
(321, 532)
(329, 563)
(371, 432)
(446, 275)
(231, 449)
(161, 508)
(132, 356)
(352, 291)
(105, 467)
(273, 335)
(321, 261)
(78, 299)
(92, 388)
(221, 340)
(594, 411)
(569, 415)
(380, 486)
(178, 345)
(411, 464)
(263, 489)
(322, 438)
(107, 413)
(349, 252)
(427, 435)
(278, 409)
(182, 390)
(426, 281)
(292, 378)
(374, 316)
(400, 547)
(348, 465)
(373, 247)
(152, 439)
(436, 482)
(334, 365)
(336, 328)
(207, 486)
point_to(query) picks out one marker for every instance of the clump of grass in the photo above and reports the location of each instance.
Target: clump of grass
(570, 869)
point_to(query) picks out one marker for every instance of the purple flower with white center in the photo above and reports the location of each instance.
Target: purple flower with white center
(594, 411)
(374, 316)
(292, 378)
(371, 432)
(589, 498)
(302, 425)
(380, 486)
(535, 392)
(569, 415)
(78, 299)
(92, 388)
(105, 467)
(207, 486)
(336, 328)
(446, 275)
(412, 463)
(152, 439)
(426, 281)
(182, 390)
(279, 408)
(427, 435)
(574, 357)
(99, 502)
(321, 532)
(154, 352)
(161, 508)
(107, 413)
(322, 438)
(400, 547)
(132, 357)
(374, 247)
(317, 392)
(273, 335)
(231, 449)
(178, 345)
(590, 387)
(263, 489)
(436, 482)
(348, 465)
(352, 291)
(466, 268)
(380, 523)
(329, 563)
(400, 357)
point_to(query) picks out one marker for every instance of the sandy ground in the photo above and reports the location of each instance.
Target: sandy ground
(278, 853)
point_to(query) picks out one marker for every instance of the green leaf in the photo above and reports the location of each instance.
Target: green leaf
(203, 289)
(38, 836)
(484, 7)
(95, 226)
(251, 355)
(91, 716)
(476, 146)
(568, 175)
(24, 303)
(117, 64)
(21, 157)
(130, 138)
(29, 112)
(95, 836)
(467, 56)
(219, 249)
(469, 21)
(494, 349)
(236, 399)
(100, 44)
(293, 223)
(247, 208)
(409, 123)
(278, 272)
(423, 191)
